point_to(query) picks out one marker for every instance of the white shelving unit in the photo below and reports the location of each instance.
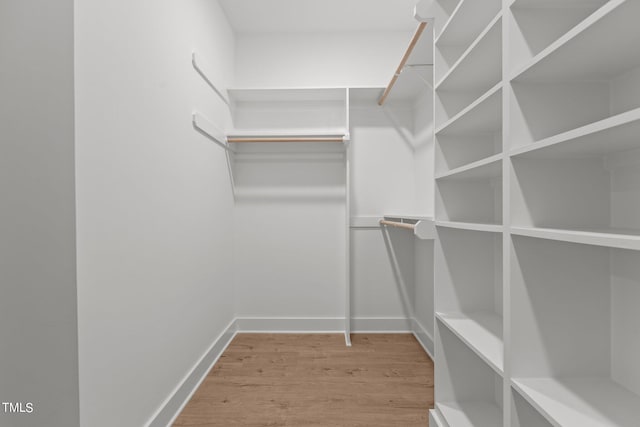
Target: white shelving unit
(537, 262)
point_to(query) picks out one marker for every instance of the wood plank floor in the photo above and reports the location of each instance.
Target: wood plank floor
(315, 380)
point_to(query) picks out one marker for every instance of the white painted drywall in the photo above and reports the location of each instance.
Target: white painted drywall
(331, 16)
(38, 323)
(318, 59)
(382, 160)
(154, 202)
(382, 274)
(289, 231)
(424, 153)
(625, 329)
(391, 173)
(423, 302)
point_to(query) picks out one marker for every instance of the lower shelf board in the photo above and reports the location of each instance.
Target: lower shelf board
(492, 228)
(611, 237)
(435, 420)
(471, 414)
(581, 402)
(481, 331)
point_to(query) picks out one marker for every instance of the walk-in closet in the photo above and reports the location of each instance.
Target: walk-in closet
(319, 213)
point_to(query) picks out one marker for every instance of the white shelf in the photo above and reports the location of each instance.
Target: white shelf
(491, 228)
(287, 94)
(581, 402)
(288, 132)
(597, 48)
(470, 414)
(488, 168)
(611, 237)
(617, 133)
(484, 115)
(540, 23)
(481, 331)
(479, 67)
(276, 112)
(409, 217)
(554, 4)
(468, 20)
(435, 420)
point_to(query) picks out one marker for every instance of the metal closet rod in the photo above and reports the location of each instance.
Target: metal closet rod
(397, 224)
(242, 139)
(403, 62)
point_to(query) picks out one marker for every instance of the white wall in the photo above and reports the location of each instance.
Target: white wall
(392, 173)
(153, 200)
(289, 231)
(38, 324)
(318, 59)
(424, 153)
(382, 160)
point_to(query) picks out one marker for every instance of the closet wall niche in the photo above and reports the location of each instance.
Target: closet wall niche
(391, 158)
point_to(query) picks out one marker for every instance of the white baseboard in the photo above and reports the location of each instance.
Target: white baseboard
(173, 405)
(374, 325)
(423, 337)
(435, 420)
(334, 325)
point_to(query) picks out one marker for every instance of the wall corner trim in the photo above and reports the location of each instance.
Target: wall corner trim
(424, 338)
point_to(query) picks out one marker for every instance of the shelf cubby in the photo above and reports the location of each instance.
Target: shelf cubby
(574, 334)
(473, 195)
(477, 70)
(581, 190)
(523, 414)
(469, 391)
(465, 24)
(586, 76)
(480, 331)
(472, 135)
(528, 37)
(442, 11)
(469, 290)
(484, 168)
(613, 134)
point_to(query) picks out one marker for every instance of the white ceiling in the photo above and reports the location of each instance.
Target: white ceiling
(283, 16)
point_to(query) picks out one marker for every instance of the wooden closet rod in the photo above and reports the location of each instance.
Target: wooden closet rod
(241, 139)
(398, 224)
(403, 62)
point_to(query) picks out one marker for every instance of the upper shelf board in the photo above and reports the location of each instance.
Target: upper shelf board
(467, 21)
(597, 48)
(613, 134)
(287, 94)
